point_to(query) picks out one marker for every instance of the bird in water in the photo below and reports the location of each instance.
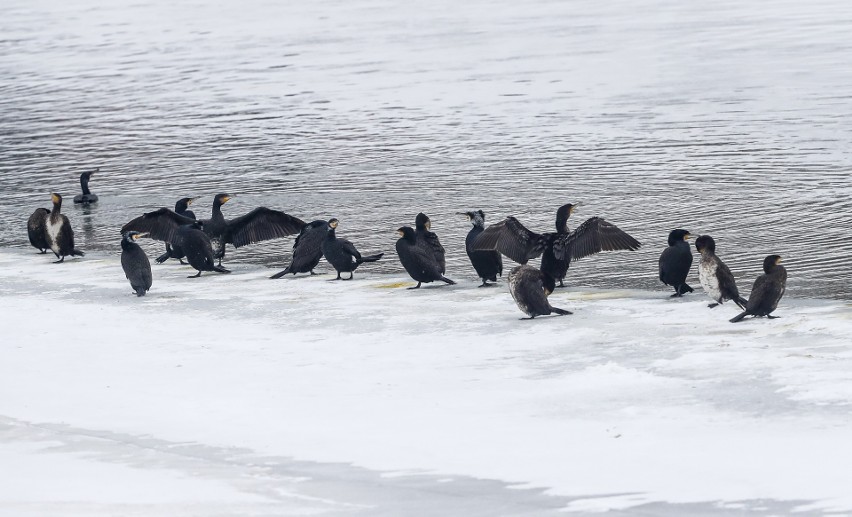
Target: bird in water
(557, 250)
(424, 233)
(86, 197)
(530, 288)
(715, 277)
(181, 208)
(418, 258)
(177, 230)
(675, 262)
(341, 253)
(488, 264)
(307, 249)
(767, 290)
(59, 234)
(37, 229)
(135, 263)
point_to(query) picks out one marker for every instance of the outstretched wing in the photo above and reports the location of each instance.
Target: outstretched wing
(512, 239)
(593, 236)
(261, 224)
(162, 224)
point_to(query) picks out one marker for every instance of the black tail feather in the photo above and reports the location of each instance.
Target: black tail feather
(220, 269)
(561, 312)
(77, 253)
(447, 280)
(371, 258)
(742, 302)
(739, 317)
(280, 273)
(684, 288)
(162, 258)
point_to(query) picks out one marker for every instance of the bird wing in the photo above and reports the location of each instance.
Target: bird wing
(513, 239)
(593, 236)
(349, 248)
(261, 224)
(435, 246)
(162, 224)
(727, 284)
(189, 213)
(308, 245)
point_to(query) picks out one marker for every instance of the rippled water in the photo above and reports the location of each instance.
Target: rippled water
(728, 117)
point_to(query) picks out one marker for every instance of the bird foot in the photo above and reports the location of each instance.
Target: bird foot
(676, 295)
(195, 276)
(60, 261)
(712, 305)
(771, 317)
(487, 285)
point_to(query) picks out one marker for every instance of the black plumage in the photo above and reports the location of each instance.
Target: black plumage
(423, 227)
(530, 288)
(418, 258)
(58, 232)
(488, 264)
(177, 230)
(715, 276)
(86, 197)
(675, 262)
(341, 253)
(261, 224)
(37, 229)
(176, 252)
(307, 249)
(135, 263)
(514, 240)
(767, 290)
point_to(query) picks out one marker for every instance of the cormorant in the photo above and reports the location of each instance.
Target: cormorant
(341, 254)
(60, 235)
(767, 290)
(424, 234)
(177, 230)
(418, 258)
(307, 250)
(135, 263)
(181, 208)
(261, 224)
(513, 239)
(86, 197)
(530, 289)
(488, 264)
(37, 229)
(714, 275)
(675, 262)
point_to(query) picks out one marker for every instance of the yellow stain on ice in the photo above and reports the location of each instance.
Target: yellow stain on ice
(394, 285)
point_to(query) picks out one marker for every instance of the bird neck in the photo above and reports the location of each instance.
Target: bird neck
(57, 207)
(127, 245)
(84, 184)
(217, 211)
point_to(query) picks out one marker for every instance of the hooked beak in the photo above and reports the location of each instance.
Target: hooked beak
(191, 201)
(140, 235)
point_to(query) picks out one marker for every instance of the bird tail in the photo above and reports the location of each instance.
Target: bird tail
(77, 253)
(140, 291)
(164, 257)
(742, 302)
(447, 280)
(561, 312)
(739, 317)
(220, 269)
(684, 288)
(280, 273)
(371, 258)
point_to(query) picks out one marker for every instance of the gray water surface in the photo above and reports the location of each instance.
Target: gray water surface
(729, 118)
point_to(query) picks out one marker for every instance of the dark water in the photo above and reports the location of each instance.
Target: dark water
(728, 118)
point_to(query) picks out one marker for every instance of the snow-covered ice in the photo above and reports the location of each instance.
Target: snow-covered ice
(238, 395)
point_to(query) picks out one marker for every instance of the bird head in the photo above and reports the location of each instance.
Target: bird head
(705, 242)
(678, 235)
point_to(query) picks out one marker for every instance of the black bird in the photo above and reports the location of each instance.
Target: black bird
(59, 234)
(424, 234)
(488, 264)
(714, 275)
(261, 224)
(418, 258)
(181, 208)
(37, 229)
(341, 254)
(135, 263)
(767, 290)
(530, 289)
(307, 249)
(177, 230)
(675, 262)
(86, 197)
(513, 239)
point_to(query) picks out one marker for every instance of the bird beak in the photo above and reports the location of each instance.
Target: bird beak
(191, 201)
(54, 198)
(226, 199)
(574, 207)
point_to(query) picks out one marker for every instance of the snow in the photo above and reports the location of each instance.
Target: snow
(235, 394)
